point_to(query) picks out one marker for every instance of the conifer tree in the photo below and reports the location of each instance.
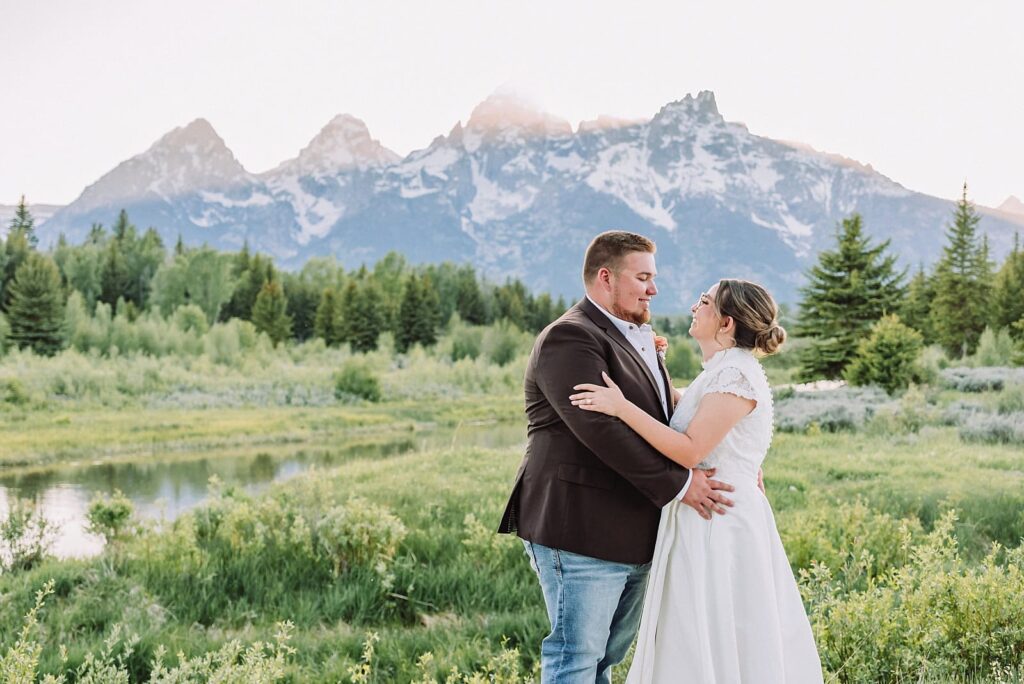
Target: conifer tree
(24, 223)
(3, 271)
(418, 314)
(963, 284)
(916, 309)
(512, 303)
(250, 274)
(888, 357)
(1008, 297)
(17, 251)
(389, 274)
(114, 279)
(269, 313)
(329, 324)
(363, 317)
(36, 311)
(849, 289)
(469, 302)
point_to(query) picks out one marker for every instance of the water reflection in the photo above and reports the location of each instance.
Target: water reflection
(166, 489)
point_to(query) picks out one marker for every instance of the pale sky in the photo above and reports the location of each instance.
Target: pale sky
(930, 93)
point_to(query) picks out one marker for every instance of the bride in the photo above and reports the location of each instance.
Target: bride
(722, 605)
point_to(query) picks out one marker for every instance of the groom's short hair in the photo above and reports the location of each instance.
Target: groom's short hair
(608, 249)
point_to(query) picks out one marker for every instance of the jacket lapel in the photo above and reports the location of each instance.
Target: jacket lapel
(602, 321)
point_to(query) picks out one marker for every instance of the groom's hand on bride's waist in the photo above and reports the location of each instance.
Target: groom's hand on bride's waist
(705, 495)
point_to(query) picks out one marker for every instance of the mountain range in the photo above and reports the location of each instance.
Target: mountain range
(519, 192)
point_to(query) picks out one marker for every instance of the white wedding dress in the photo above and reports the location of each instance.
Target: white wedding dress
(722, 606)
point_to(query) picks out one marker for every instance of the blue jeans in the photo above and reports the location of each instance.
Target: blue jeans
(594, 607)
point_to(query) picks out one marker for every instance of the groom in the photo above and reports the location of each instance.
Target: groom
(589, 492)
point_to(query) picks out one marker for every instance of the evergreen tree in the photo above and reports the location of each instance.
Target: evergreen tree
(179, 247)
(389, 274)
(963, 284)
(269, 313)
(469, 302)
(418, 315)
(329, 324)
(250, 274)
(542, 312)
(888, 358)
(114, 278)
(916, 309)
(36, 311)
(303, 299)
(97, 235)
(1008, 298)
(3, 272)
(17, 250)
(363, 317)
(143, 257)
(849, 289)
(82, 270)
(512, 303)
(24, 223)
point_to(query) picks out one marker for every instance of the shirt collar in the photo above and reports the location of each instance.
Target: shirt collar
(624, 327)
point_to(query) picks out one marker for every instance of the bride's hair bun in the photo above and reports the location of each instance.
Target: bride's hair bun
(770, 339)
(754, 312)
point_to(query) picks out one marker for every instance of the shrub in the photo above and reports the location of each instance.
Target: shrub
(935, 616)
(25, 536)
(1011, 400)
(13, 392)
(259, 663)
(190, 318)
(980, 379)
(888, 357)
(109, 515)
(360, 534)
(994, 349)
(503, 342)
(466, 342)
(991, 428)
(356, 379)
(845, 408)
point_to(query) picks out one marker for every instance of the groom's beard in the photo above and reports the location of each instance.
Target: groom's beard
(636, 317)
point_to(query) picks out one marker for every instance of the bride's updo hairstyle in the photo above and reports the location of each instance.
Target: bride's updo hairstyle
(755, 313)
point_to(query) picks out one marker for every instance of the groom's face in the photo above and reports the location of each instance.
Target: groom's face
(632, 287)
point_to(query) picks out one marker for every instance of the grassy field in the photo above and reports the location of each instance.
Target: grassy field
(389, 569)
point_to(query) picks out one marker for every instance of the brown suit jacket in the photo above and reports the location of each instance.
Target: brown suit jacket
(588, 483)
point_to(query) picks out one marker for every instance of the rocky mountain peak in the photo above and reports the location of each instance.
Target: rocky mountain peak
(344, 143)
(702, 108)
(504, 112)
(1012, 205)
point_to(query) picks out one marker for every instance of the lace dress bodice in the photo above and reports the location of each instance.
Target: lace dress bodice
(733, 371)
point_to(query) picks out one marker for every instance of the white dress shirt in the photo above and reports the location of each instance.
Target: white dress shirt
(642, 339)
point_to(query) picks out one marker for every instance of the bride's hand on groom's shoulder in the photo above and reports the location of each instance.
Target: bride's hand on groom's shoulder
(591, 397)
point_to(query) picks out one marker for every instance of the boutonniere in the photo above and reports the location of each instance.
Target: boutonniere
(661, 346)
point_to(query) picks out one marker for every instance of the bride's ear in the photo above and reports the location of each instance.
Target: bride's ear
(728, 325)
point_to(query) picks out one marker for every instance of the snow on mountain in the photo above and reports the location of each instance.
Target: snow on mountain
(517, 191)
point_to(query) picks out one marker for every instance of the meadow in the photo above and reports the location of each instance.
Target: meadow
(902, 515)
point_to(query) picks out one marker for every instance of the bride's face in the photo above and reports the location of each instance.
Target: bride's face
(706, 319)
